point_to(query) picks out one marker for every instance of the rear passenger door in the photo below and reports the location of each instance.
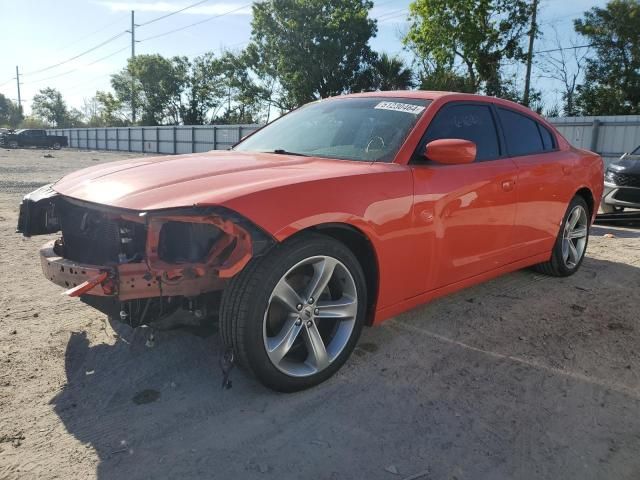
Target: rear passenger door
(542, 177)
(467, 212)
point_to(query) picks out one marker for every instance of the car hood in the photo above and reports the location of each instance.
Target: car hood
(198, 179)
(627, 164)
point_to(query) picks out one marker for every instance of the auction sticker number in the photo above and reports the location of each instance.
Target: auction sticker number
(400, 107)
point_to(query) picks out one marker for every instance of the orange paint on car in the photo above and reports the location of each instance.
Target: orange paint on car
(434, 227)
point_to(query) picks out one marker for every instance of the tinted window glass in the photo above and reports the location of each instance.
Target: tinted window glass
(547, 138)
(468, 122)
(521, 133)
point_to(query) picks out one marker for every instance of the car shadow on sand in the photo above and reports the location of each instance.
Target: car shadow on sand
(464, 402)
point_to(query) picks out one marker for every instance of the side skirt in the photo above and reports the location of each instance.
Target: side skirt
(398, 308)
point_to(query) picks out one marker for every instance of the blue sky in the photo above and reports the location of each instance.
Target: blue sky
(36, 34)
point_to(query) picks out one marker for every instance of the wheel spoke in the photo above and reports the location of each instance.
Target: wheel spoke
(279, 346)
(342, 309)
(322, 273)
(565, 250)
(573, 253)
(573, 219)
(287, 295)
(579, 232)
(315, 346)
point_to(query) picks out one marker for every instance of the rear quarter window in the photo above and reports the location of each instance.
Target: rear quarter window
(547, 138)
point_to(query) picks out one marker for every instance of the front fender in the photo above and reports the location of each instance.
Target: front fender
(378, 204)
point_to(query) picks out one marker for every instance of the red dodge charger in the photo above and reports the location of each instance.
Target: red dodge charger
(341, 214)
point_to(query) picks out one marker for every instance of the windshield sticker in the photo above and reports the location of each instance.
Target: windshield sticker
(400, 107)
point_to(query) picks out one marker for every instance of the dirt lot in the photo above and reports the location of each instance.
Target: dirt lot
(524, 377)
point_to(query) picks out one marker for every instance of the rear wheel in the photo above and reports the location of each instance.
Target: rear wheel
(294, 316)
(56, 146)
(571, 244)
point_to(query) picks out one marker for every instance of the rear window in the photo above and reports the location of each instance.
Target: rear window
(521, 133)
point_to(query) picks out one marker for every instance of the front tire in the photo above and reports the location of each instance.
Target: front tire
(293, 316)
(13, 144)
(570, 247)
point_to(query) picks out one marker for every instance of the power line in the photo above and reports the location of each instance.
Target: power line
(93, 33)
(102, 44)
(8, 81)
(196, 23)
(559, 49)
(78, 68)
(173, 13)
(392, 14)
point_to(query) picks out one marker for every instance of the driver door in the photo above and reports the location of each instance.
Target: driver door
(467, 210)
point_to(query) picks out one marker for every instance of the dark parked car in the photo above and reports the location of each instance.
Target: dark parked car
(622, 183)
(33, 138)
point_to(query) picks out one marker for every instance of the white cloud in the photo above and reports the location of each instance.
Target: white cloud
(167, 7)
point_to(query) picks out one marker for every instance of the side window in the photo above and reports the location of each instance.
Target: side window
(467, 122)
(547, 138)
(521, 133)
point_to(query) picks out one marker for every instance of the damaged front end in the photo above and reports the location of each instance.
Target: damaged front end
(147, 268)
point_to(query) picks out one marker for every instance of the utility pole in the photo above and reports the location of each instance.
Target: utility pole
(133, 55)
(532, 36)
(18, 83)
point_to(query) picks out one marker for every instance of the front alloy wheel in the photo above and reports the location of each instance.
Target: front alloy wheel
(310, 316)
(293, 316)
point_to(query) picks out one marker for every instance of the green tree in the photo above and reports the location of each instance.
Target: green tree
(49, 105)
(313, 49)
(445, 79)
(246, 98)
(612, 78)
(111, 111)
(478, 35)
(158, 83)
(204, 89)
(391, 73)
(10, 113)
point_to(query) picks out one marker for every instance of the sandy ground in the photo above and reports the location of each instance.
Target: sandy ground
(523, 377)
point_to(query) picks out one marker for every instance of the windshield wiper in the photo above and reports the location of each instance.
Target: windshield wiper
(281, 151)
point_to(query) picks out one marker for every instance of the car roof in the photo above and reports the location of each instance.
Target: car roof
(436, 95)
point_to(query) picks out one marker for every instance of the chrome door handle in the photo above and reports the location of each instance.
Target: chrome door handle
(507, 185)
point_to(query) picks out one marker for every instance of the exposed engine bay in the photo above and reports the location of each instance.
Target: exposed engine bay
(157, 268)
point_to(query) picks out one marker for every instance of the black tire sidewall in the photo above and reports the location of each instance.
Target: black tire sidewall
(557, 249)
(285, 257)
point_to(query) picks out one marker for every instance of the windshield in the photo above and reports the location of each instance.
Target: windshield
(366, 129)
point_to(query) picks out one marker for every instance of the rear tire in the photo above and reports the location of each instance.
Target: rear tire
(571, 245)
(289, 340)
(56, 146)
